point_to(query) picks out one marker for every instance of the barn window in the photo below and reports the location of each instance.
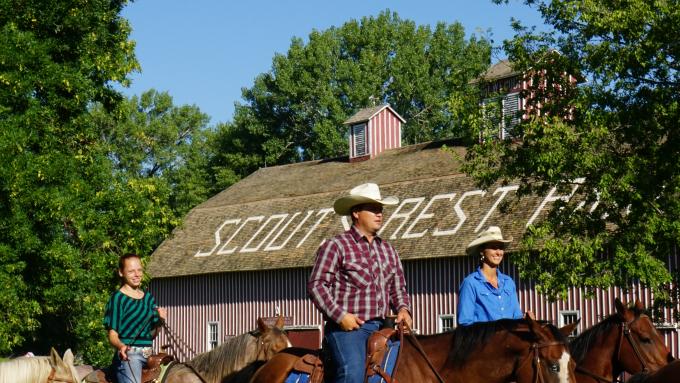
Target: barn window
(569, 316)
(213, 335)
(446, 322)
(359, 134)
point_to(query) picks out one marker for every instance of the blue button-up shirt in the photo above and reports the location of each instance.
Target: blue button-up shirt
(479, 301)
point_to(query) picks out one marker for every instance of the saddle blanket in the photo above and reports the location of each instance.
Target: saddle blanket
(388, 363)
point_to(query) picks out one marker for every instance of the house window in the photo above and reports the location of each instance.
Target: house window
(213, 335)
(359, 134)
(446, 322)
(569, 316)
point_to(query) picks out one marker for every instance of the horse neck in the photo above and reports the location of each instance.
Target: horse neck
(600, 355)
(228, 358)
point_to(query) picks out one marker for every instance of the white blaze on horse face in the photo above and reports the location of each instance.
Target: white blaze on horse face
(564, 367)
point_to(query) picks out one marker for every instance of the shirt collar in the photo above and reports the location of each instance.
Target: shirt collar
(480, 277)
(356, 234)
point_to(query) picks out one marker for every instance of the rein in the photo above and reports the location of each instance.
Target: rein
(625, 331)
(52, 379)
(414, 341)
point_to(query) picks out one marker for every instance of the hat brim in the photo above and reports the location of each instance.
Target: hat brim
(344, 205)
(474, 245)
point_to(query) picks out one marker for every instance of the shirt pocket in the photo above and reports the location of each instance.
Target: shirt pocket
(357, 274)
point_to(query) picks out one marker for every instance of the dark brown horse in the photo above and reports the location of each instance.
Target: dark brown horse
(507, 350)
(624, 341)
(669, 373)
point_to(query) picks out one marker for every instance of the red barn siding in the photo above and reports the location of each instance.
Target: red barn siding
(236, 300)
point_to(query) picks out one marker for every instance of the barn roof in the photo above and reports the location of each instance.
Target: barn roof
(366, 114)
(277, 217)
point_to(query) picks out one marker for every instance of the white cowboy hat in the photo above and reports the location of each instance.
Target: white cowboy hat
(492, 234)
(364, 193)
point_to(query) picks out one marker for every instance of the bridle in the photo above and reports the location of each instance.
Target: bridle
(52, 378)
(625, 332)
(536, 358)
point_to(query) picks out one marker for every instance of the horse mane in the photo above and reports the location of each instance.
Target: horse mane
(467, 339)
(229, 357)
(580, 345)
(25, 369)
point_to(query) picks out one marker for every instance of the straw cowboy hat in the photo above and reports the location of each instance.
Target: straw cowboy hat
(492, 234)
(364, 193)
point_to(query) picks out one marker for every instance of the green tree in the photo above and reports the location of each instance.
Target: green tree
(296, 110)
(66, 213)
(617, 132)
(149, 137)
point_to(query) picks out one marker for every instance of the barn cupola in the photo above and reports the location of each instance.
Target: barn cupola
(372, 131)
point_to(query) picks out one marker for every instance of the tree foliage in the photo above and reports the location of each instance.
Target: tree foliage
(617, 132)
(296, 110)
(72, 197)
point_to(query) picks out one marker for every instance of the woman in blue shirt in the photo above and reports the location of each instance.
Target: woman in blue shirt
(487, 294)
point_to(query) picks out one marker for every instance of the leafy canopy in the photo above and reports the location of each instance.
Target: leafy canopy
(617, 131)
(296, 110)
(73, 196)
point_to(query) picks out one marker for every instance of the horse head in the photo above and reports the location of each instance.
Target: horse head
(63, 369)
(271, 339)
(640, 347)
(548, 356)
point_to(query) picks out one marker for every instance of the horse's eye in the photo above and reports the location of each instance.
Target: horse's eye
(554, 368)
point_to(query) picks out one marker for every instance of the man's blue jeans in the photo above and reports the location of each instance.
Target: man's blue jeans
(129, 372)
(348, 350)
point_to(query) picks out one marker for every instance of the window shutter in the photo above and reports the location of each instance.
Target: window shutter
(359, 134)
(510, 114)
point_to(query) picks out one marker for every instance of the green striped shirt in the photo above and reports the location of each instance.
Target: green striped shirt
(133, 319)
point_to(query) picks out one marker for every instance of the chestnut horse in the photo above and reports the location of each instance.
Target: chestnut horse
(669, 373)
(507, 350)
(40, 369)
(625, 341)
(225, 361)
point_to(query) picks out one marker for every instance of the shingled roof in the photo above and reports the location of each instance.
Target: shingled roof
(277, 217)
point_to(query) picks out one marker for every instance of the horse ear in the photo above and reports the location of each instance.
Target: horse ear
(279, 322)
(620, 308)
(639, 306)
(68, 357)
(261, 325)
(568, 329)
(55, 359)
(534, 326)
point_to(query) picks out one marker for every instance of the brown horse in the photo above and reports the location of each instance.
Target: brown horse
(523, 351)
(669, 373)
(226, 360)
(625, 341)
(40, 369)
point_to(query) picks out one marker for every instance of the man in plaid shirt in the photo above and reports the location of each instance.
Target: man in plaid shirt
(356, 280)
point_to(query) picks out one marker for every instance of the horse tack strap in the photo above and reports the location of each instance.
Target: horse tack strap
(597, 377)
(418, 347)
(625, 330)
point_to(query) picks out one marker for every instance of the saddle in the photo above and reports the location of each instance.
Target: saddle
(150, 373)
(307, 366)
(377, 362)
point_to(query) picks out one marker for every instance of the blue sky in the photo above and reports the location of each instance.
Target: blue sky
(204, 51)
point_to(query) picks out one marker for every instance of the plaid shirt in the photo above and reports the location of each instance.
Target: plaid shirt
(351, 275)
